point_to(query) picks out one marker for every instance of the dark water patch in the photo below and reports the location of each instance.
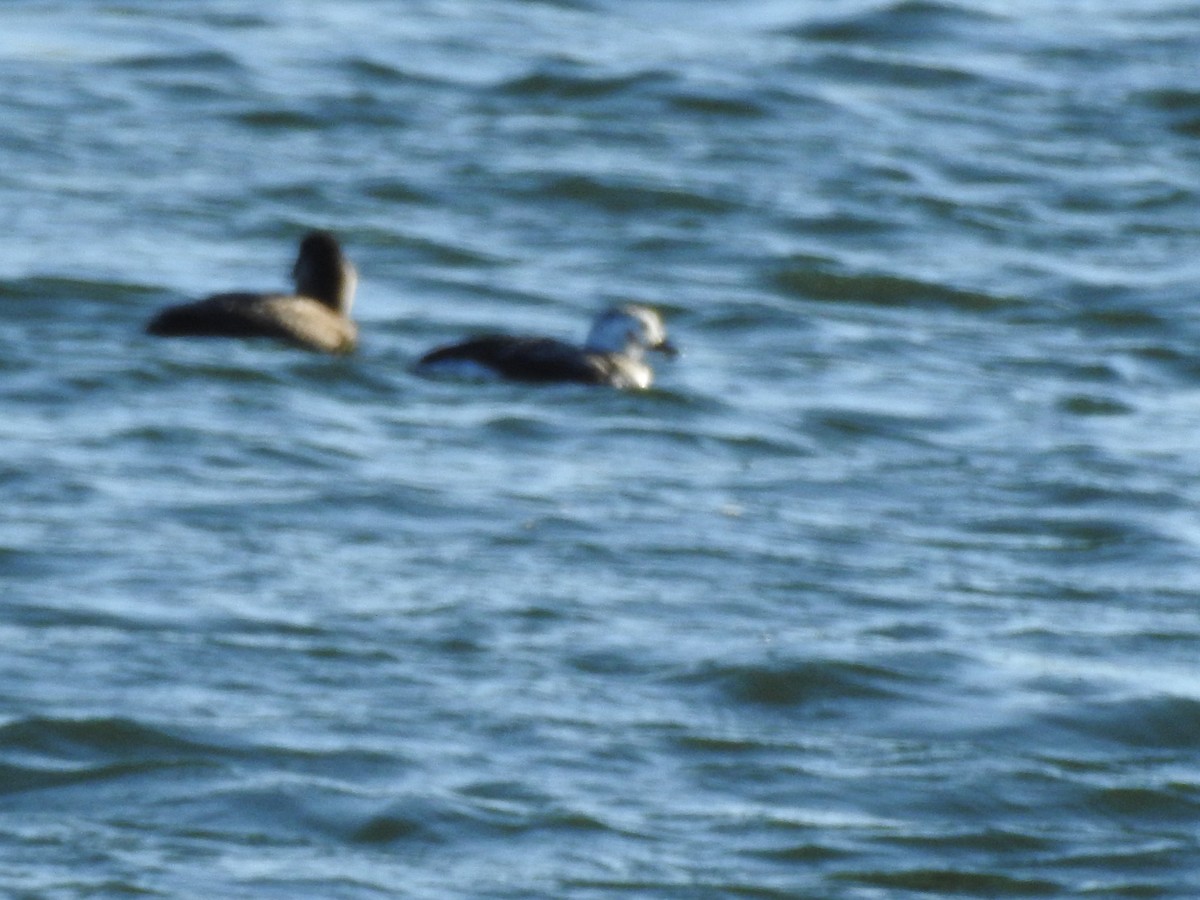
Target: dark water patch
(814, 279)
(895, 73)
(564, 80)
(805, 853)
(573, 5)
(20, 562)
(1066, 369)
(17, 779)
(344, 111)
(210, 370)
(408, 94)
(783, 445)
(722, 745)
(1094, 405)
(450, 820)
(682, 889)
(279, 120)
(389, 829)
(223, 19)
(1100, 538)
(843, 424)
(54, 289)
(524, 426)
(622, 195)
(722, 106)
(956, 883)
(985, 840)
(385, 73)
(910, 632)
(1169, 803)
(1163, 723)
(41, 616)
(841, 224)
(396, 190)
(1188, 128)
(800, 683)
(443, 253)
(86, 739)
(186, 63)
(907, 21)
(49, 753)
(1159, 856)
(298, 192)
(611, 662)
(194, 92)
(1181, 107)
(201, 14)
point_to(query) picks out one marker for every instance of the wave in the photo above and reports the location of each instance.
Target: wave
(721, 105)
(800, 682)
(57, 288)
(1156, 722)
(896, 73)
(15, 779)
(188, 63)
(906, 21)
(956, 881)
(1180, 106)
(58, 752)
(565, 81)
(814, 279)
(1094, 537)
(623, 194)
(92, 738)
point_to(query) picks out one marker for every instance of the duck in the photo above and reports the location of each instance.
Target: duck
(613, 353)
(315, 317)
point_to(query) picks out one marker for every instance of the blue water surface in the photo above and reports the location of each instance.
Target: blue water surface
(886, 589)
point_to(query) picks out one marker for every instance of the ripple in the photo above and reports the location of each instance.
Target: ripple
(279, 120)
(842, 424)
(56, 289)
(802, 682)
(623, 195)
(1182, 108)
(906, 21)
(959, 882)
(1180, 803)
(187, 63)
(922, 75)
(1072, 535)
(88, 738)
(1094, 405)
(481, 811)
(812, 279)
(565, 81)
(728, 104)
(1159, 722)
(20, 779)
(74, 751)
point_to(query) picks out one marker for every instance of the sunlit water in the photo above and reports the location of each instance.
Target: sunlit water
(888, 588)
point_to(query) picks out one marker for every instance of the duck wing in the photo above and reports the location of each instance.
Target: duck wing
(522, 358)
(298, 320)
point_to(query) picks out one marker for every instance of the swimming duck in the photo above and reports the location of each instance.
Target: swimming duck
(612, 354)
(316, 316)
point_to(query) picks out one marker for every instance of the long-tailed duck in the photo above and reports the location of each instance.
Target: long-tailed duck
(612, 354)
(316, 316)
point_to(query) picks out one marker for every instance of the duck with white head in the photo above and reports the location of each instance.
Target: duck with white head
(613, 353)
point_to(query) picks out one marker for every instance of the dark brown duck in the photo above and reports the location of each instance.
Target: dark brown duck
(316, 316)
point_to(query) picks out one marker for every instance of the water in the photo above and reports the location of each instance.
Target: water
(887, 589)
